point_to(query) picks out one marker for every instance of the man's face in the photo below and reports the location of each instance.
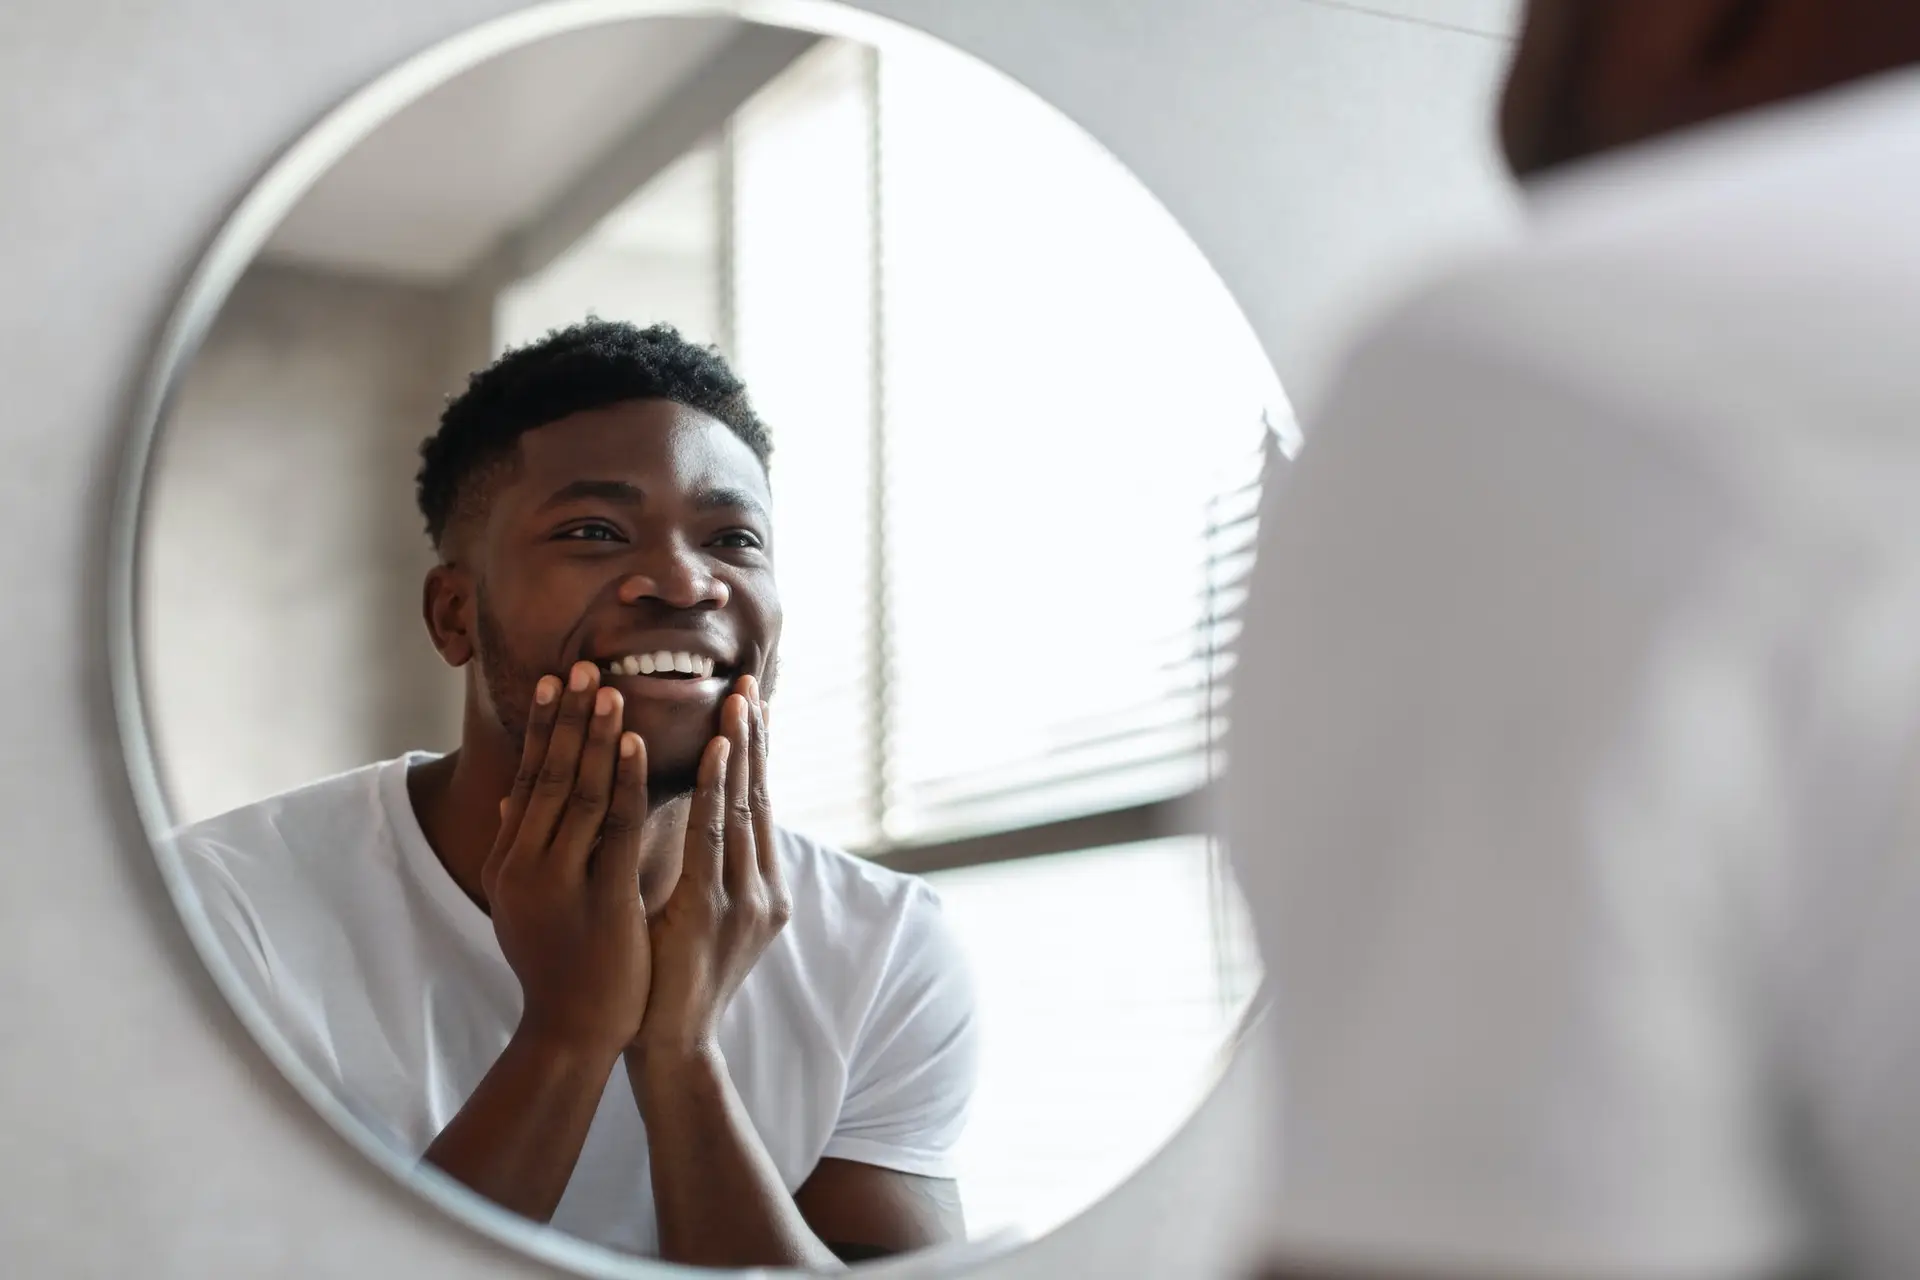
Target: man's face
(632, 536)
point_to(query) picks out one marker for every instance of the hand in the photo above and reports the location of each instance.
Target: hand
(563, 878)
(731, 900)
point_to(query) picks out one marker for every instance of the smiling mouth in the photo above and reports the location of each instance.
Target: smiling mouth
(662, 664)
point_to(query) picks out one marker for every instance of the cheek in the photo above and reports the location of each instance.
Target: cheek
(541, 611)
(767, 608)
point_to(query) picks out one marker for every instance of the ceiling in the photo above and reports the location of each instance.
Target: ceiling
(437, 187)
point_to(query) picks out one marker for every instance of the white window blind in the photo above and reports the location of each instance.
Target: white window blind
(1068, 386)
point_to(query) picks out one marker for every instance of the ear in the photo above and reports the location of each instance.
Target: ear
(446, 605)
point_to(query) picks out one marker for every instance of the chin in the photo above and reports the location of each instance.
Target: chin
(662, 792)
(676, 738)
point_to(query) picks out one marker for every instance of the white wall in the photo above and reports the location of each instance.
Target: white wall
(284, 553)
(679, 289)
(1310, 147)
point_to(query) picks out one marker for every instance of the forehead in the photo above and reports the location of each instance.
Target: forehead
(657, 444)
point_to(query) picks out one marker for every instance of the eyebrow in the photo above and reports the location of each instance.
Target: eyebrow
(730, 500)
(626, 494)
(615, 491)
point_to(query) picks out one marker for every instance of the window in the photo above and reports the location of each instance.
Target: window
(1019, 431)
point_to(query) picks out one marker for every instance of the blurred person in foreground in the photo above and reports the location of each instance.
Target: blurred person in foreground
(1582, 698)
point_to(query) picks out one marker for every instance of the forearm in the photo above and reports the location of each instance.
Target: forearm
(717, 1196)
(516, 1139)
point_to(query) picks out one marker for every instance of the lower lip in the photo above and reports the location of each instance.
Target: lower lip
(660, 689)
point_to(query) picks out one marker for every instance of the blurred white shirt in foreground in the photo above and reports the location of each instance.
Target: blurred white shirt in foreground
(1574, 770)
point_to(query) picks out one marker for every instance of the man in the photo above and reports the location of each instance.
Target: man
(573, 964)
(1581, 691)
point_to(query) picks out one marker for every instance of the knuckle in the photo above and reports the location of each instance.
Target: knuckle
(590, 796)
(553, 778)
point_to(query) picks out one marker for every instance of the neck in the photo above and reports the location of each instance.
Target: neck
(457, 802)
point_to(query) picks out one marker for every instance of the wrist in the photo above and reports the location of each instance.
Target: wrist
(563, 1050)
(674, 1071)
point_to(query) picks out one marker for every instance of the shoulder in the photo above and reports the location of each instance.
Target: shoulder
(852, 906)
(292, 836)
(854, 889)
(1773, 250)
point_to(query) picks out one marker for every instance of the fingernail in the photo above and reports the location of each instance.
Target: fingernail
(750, 687)
(543, 693)
(629, 745)
(603, 704)
(503, 806)
(582, 675)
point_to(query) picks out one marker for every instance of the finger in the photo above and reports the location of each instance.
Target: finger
(740, 867)
(760, 798)
(554, 778)
(586, 808)
(706, 823)
(619, 866)
(533, 750)
(546, 697)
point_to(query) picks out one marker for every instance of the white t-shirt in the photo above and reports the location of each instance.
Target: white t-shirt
(853, 1037)
(1574, 758)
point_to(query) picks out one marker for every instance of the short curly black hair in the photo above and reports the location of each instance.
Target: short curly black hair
(585, 366)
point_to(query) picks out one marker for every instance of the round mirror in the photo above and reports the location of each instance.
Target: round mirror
(678, 590)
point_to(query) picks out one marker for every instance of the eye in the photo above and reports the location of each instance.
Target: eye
(597, 531)
(738, 538)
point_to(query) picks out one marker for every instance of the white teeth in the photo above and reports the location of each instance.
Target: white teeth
(646, 664)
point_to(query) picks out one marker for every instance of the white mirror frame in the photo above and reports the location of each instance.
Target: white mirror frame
(238, 242)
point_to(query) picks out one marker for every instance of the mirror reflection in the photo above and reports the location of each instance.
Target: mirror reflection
(684, 613)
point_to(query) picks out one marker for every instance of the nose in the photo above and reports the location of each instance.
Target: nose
(678, 580)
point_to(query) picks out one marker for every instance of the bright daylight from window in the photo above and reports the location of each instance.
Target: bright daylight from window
(1019, 428)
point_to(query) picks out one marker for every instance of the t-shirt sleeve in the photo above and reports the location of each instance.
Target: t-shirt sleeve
(239, 940)
(1504, 731)
(215, 862)
(911, 1080)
